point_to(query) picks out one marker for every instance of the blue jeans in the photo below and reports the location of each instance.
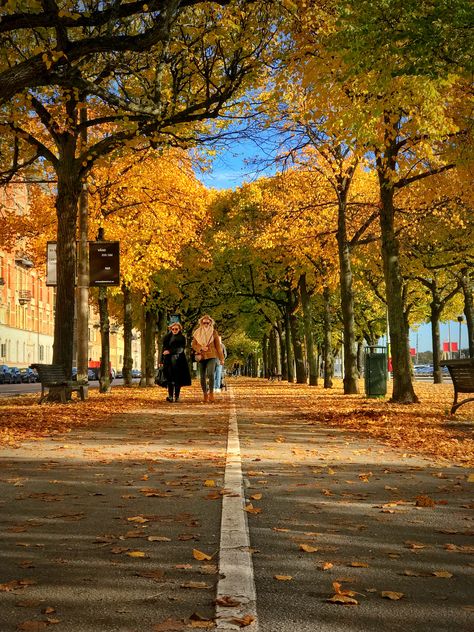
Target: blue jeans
(218, 375)
(207, 368)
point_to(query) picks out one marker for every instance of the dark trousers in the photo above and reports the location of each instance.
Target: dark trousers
(173, 390)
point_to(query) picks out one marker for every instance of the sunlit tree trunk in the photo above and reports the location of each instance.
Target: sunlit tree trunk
(127, 336)
(150, 346)
(298, 349)
(347, 295)
(308, 331)
(282, 347)
(289, 348)
(327, 345)
(399, 343)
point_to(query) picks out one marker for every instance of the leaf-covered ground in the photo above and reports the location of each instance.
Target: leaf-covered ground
(425, 428)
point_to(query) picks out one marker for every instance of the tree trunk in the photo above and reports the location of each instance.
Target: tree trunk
(282, 355)
(403, 392)
(265, 355)
(327, 345)
(436, 308)
(127, 336)
(308, 331)
(66, 211)
(82, 294)
(150, 347)
(142, 348)
(360, 357)
(351, 385)
(468, 309)
(104, 374)
(298, 349)
(289, 349)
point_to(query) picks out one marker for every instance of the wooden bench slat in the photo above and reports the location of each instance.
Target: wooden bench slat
(53, 377)
(462, 375)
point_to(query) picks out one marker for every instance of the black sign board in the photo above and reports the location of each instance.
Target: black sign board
(104, 263)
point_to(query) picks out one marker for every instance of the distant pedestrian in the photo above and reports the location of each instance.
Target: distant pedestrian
(219, 369)
(208, 353)
(175, 364)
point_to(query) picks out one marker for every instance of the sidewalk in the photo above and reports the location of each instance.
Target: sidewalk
(99, 525)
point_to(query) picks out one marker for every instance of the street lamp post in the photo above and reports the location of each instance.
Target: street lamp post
(460, 320)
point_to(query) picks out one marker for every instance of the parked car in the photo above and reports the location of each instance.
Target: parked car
(28, 375)
(136, 373)
(5, 374)
(90, 374)
(423, 369)
(16, 375)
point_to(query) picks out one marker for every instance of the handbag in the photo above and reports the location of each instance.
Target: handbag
(160, 377)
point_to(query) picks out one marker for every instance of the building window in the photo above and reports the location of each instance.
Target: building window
(41, 353)
(3, 350)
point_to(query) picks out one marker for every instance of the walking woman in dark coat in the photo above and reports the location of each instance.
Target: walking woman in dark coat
(175, 364)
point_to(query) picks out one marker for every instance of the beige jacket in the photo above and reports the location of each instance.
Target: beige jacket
(214, 350)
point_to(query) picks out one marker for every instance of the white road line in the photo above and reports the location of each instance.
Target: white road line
(236, 581)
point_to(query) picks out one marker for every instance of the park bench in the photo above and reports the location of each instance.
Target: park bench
(462, 375)
(53, 377)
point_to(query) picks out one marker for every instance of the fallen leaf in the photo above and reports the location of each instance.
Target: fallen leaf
(283, 578)
(209, 483)
(308, 548)
(158, 538)
(139, 519)
(243, 621)
(195, 585)
(344, 600)
(251, 509)
(327, 566)
(424, 501)
(359, 565)
(136, 554)
(227, 602)
(390, 594)
(199, 555)
(256, 496)
(444, 574)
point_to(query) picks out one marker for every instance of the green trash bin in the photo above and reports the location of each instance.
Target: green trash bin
(375, 371)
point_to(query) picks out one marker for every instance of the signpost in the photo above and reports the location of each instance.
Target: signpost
(104, 263)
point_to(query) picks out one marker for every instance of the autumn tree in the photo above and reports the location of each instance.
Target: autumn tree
(203, 61)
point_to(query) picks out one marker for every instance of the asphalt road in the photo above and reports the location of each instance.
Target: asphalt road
(98, 526)
(8, 390)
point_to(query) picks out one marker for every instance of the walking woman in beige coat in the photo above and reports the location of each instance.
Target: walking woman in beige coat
(208, 352)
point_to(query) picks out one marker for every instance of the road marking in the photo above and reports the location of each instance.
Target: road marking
(235, 561)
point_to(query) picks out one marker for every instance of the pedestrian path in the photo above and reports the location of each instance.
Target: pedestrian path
(142, 525)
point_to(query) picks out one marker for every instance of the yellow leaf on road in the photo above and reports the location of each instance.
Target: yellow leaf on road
(445, 574)
(136, 554)
(256, 497)
(283, 578)
(209, 483)
(199, 555)
(344, 600)
(308, 548)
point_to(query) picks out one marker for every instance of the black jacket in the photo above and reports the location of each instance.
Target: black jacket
(175, 364)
